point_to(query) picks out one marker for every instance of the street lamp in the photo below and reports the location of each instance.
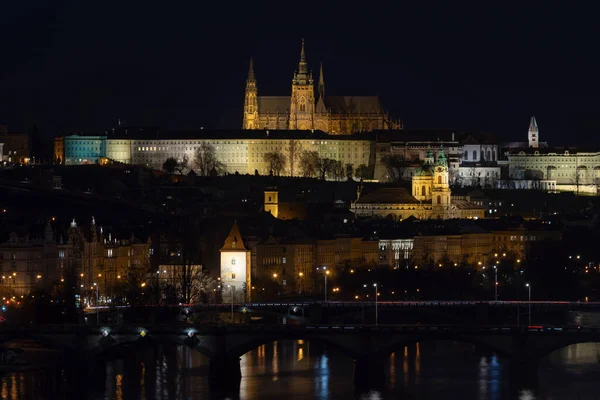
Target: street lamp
(325, 277)
(529, 287)
(495, 283)
(376, 315)
(97, 309)
(301, 286)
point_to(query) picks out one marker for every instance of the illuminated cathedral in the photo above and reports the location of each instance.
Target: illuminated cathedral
(307, 109)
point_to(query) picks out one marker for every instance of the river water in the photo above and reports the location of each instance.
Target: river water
(302, 370)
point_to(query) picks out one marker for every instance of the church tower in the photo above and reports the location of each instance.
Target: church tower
(251, 101)
(441, 186)
(534, 133)
(302, 105)
(235, 268)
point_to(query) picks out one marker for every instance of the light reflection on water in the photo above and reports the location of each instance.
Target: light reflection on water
(304, 370)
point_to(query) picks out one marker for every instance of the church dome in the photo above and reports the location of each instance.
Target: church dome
(426, 169)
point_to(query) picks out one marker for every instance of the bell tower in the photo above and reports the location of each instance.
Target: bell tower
(441, 186)
(302, 105)
(251, 101)
(534, 133)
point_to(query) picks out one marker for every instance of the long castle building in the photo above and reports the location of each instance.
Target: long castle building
(302, 110)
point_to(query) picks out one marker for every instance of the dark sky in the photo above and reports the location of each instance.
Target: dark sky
(72, 66)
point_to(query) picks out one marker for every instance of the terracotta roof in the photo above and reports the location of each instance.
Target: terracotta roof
(274, 104)
(388, 196)
(353, 104)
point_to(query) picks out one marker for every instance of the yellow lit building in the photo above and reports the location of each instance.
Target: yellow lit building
(430, 197)
(304, 110)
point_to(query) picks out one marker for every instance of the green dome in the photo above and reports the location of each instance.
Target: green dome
(424, 170)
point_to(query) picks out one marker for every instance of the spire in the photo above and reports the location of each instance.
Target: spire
(321, 82)
(302, 77)
(251, 71)
(533, 124)
(534, 133)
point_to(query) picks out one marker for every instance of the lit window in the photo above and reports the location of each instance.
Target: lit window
(283, 260)
(110, 252)
(61, 254)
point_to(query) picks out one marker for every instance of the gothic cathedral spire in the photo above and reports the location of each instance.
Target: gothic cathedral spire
(321, 82)
(534, 133)
(251, 101)
(302, 104)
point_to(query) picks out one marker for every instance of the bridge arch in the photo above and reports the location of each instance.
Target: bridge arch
(501, 346)
(547, 347)
(346, 347)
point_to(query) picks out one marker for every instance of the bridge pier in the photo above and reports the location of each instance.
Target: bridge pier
(224, 372)
(369, 372)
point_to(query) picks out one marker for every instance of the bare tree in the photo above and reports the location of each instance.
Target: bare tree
(338, 171)
(394, 166)
(206, 161)
(325, 167)
(294, 153)
(577, 179)
(596, 184)
(364, 172)
(182, 165)
(170, 165)
(187, 284)
(276, 162)
(309, 160)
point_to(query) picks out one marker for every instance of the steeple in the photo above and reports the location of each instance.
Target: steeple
(321, 82)
(534, 133)
(250, 72)
(302, 77)
(441, 158)
(251, 101)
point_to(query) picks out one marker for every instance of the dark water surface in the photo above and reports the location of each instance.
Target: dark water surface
(303, 370)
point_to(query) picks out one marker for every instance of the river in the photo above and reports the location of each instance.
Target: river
(302, 370)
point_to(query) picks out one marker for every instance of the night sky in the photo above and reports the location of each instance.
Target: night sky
(81, 65)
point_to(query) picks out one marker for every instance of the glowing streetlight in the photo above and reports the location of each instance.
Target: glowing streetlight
(376, 314)
(529, 287)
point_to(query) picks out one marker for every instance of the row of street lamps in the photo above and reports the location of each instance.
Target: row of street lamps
(528, 286)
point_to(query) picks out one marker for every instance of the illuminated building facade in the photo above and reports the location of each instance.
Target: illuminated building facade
(303, 110)
(235, 279)
(239, 151)
(99, 262)
(14, 146)
(430, 198)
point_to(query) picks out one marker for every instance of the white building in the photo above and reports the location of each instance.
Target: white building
(235, 280)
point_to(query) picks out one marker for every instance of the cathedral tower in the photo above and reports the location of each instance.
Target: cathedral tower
(251, 101)
(302, 106)
(534, 133)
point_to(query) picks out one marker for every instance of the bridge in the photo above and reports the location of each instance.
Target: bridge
(367, 345)
(393, 312)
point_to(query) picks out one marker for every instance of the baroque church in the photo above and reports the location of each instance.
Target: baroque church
(337, 115)
(431, 197)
